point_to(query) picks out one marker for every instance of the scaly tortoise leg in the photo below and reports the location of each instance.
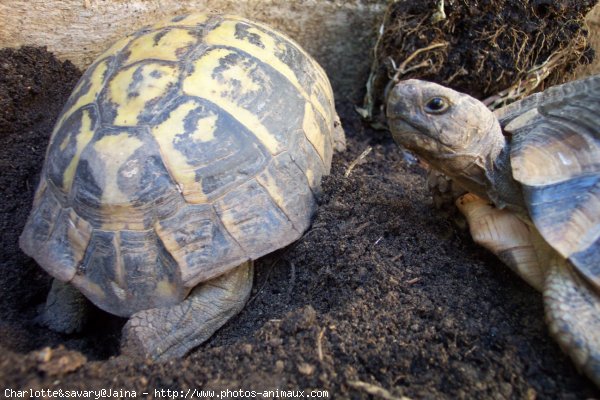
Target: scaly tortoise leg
(170, 332)
(572, 308)
(444, 191)
(66, 308)
(505, 235)
(573, 314)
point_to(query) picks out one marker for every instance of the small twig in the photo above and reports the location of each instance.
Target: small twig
(376, 390)
(354, 163)
(397, 257)
(470, 351)
(361, 227)
(292, 281)
(426, 63)
(320, 344)
(366, 111)
(401, 70)
(413, 281)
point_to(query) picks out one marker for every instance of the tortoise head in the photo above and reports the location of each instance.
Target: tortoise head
(440, 124)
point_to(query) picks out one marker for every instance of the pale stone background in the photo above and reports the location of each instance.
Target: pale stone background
(338, 33)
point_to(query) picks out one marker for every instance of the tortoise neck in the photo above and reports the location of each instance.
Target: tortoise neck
(486, 170)
(502, 189)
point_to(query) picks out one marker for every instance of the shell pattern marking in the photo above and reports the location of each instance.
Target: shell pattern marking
(186, 149)
(557, 161)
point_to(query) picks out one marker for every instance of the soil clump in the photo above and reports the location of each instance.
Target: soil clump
(498, 51)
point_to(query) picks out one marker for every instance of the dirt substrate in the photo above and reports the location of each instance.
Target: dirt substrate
(381, 291)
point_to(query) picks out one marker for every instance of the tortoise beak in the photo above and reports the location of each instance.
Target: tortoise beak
(412, 138)
(402, 129)
(405, 134)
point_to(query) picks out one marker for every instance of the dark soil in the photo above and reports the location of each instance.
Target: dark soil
(483, 47)
(381, 290)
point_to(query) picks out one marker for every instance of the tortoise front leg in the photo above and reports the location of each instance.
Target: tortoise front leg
(65, 310)
(505, 235)
(572, 307)
(170, 332)
(444, 192)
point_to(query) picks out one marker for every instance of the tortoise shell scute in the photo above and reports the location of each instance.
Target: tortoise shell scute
(186, 149)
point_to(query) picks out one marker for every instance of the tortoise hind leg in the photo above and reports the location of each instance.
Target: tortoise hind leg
(573, 313)
(170, 332)
(65, 310)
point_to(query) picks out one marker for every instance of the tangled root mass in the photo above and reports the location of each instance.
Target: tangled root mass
(499, 50)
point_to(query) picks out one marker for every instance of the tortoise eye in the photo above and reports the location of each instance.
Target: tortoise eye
(437, 105)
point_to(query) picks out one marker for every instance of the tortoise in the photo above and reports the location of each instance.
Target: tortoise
(531, 173)
(186, 151)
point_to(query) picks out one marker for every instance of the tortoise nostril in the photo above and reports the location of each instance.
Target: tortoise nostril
(395, 109)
